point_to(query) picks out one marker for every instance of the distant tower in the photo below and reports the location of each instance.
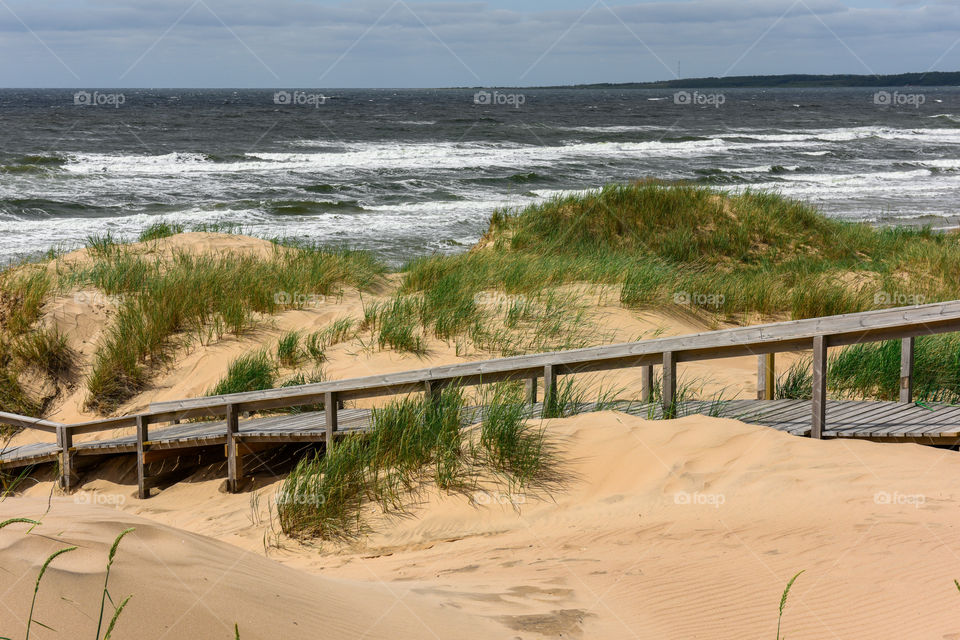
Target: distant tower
(679, 74)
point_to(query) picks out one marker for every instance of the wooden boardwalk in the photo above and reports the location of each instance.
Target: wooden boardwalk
(215, 430)
(934, 424)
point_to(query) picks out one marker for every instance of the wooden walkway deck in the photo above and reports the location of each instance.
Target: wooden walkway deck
(159, 433)
(882, 421)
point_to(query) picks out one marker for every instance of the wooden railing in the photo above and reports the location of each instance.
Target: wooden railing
(816, 334)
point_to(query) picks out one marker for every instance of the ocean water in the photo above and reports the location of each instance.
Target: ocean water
(405, 172)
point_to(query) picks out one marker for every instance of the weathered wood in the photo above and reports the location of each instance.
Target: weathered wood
(766, 376)
(234, 460)
(646, 382)
(819, 403)
(26, 422)
(530, 387)
(143, 491)
(549, 386)
(906, 369)
(669, 385)
(786, 336)
(68, 474)
(330, 407)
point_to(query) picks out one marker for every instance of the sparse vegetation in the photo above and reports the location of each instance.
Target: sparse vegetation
(47, 350)
(206, 296)
(159, 230)
(783, 601)
(250, 372)
(107, 632)
(289, 353)
(413, 442)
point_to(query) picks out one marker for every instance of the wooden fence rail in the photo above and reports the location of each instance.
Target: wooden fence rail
(763, 341)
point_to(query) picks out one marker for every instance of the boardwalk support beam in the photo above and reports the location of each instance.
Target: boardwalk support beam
(143, 491)
(234, 460)
(906, 369)
(531, 390)
(818, 423)
(330, 405)
(669, 385)
(766, 376)
(549, 389)
(646, 382)
(68, 475)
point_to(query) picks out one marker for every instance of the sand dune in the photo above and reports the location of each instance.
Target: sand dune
(189, 586)
(677, 529)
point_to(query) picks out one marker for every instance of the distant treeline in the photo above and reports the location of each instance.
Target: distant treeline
(927, 79)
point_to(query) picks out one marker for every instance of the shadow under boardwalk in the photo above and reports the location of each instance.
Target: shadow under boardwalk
(884, 421)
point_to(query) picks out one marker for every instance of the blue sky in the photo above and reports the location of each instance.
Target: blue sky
(401, 43)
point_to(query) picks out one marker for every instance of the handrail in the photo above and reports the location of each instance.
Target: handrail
(818, 334)
(27, 422)
(795, 335)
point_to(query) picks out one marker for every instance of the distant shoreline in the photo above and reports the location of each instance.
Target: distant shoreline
(788, 81)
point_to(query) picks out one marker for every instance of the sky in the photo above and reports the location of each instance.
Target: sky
(405, 43)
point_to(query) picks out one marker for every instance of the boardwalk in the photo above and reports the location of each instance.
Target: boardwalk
(215, 431)
(883, 421)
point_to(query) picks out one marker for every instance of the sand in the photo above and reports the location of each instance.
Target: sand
(678, 529)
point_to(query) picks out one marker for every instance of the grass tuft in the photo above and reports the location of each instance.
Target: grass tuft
(159, 230)
(250, 372)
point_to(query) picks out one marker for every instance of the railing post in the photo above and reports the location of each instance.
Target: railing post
(531, 390)
(646, 382)
(819, 419)
(906, 369)
(234, 460)
(549, 388)
(330, 406)
(431, 390)
(65, 442)
(766, 376)
(143, 492)
(669, 385)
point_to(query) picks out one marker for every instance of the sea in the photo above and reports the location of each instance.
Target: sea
(411, 172)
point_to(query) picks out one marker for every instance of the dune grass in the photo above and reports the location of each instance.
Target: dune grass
(47, 350)
(730, 254)
(159, 230)
(317, 343)
(250, 372)
(523, 290)
(413, 443)
(205, 297)
(873, 370)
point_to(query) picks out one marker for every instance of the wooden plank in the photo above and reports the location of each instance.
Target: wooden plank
(819, 402)
(330, 406)
(156, 455)
(549, 385)
(786, 336)
(234, 461)
(766, 376)
(143, 491)
(531, 390)
(906, 369)
(646, 382)
(68, 476)
(669, 385)
(26, 422)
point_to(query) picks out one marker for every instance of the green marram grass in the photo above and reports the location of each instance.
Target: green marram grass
(414, 443)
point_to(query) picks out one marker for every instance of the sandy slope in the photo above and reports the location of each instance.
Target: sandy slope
(679, 529)
(189, 586)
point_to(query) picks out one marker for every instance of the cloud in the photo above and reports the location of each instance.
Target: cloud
(396, 43)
